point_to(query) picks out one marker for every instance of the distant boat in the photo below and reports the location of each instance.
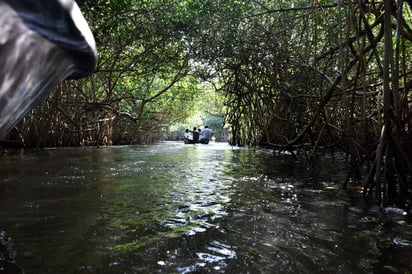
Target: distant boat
(188, 142)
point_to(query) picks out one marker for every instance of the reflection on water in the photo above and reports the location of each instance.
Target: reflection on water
(172, 208)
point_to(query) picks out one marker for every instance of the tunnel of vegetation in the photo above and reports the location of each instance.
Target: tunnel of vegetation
(295, 75)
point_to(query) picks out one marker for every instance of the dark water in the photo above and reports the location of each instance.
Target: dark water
(171, 208)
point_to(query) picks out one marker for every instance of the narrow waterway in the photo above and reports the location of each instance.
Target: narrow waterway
(175, 208)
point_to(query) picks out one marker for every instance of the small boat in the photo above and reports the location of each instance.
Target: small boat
(187, 141)
(204, 142)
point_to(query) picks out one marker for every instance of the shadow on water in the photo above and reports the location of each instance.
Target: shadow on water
(171, 208)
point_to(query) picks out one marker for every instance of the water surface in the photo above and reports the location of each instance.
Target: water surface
(174, 208)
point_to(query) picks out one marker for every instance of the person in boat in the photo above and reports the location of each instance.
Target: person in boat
(200, 133)
(195, 135)
(206, 135)
(188, 136)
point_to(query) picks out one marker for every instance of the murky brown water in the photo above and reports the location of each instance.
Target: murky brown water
(171, 208)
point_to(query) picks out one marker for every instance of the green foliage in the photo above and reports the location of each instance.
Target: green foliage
(207, 109)
(143, 67)
(268, 66)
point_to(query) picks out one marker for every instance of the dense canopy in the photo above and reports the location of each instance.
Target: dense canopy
(294, 75)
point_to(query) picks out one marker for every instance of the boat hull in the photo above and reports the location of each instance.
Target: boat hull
(188, 142)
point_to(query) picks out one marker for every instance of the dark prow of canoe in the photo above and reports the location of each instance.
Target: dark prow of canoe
(42, 43)
(204, 142)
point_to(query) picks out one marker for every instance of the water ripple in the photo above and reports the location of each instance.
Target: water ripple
(401, 242)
